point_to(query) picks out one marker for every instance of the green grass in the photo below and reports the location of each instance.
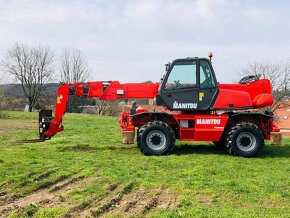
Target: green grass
(206, 182)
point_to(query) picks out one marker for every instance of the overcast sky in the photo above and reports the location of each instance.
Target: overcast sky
(131, 40)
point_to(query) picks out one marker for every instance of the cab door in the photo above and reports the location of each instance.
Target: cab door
(207, 85)
(179, 90)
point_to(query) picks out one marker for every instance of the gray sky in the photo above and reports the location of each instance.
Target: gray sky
(131, 40)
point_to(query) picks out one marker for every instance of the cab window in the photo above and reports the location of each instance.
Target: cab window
(206, 77)
(182, 76)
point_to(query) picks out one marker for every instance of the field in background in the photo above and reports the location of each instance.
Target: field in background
(86, 171)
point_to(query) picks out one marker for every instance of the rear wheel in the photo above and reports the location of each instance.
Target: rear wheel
(156, 138)
(244, 139)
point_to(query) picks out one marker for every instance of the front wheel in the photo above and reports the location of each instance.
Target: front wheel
(244, 139)
(156, 138)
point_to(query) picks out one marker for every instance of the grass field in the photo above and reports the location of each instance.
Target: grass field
(86, 171)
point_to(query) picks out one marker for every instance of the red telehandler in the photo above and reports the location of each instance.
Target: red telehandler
(196, 108)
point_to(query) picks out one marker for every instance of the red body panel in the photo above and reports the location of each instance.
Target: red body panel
(187, 127)
(256, 94)
(208, 127)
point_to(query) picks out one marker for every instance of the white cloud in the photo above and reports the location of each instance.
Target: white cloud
(131, 40)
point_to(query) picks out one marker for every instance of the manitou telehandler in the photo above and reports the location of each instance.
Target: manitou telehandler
(196, 108)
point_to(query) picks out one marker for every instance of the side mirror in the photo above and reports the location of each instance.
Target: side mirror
(167, 66)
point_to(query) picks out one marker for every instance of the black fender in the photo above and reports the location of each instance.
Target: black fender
(266, 115)
(262, 120)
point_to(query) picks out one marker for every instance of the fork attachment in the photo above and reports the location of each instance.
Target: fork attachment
(45, 117)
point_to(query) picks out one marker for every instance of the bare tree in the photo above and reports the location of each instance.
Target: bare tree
(278, 74)
(109, 108)
(74, 68)
(32, 67)
(101, 106)
(113, 109)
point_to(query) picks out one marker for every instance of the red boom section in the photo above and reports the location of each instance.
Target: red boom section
(110, 90)
(256, 94)
(115, 90)
(60, 108)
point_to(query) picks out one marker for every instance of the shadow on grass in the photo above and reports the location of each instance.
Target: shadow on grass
(88, 148)
(79, 147)
(275, 151)
(272, 151)
(197, 149)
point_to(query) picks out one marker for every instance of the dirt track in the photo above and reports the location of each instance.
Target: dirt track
(119, 199)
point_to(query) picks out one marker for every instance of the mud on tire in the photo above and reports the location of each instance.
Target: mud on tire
(156, 138)
(244, 139)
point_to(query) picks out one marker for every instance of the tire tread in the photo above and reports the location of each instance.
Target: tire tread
(230, 145)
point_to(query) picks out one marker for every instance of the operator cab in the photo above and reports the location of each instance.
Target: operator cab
(189, 85)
